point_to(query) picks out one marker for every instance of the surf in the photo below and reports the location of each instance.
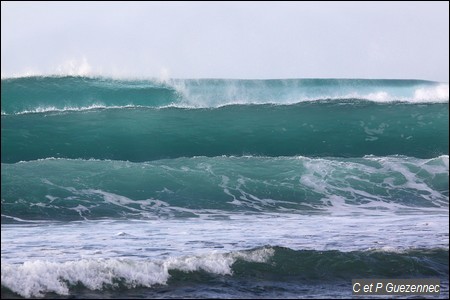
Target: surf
(282, 266)
(191, 187)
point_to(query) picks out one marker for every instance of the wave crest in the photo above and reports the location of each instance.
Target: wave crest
(36, 278)
(69, 93)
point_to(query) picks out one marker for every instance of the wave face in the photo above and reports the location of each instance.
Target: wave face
(221, 188)
(338, 129)
(188, 187)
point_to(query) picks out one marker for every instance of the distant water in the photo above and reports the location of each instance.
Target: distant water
(221, 188)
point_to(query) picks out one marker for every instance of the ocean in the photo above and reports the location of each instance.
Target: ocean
(219, 188)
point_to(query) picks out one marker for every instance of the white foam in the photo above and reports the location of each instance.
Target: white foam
(45, 109)
(23, 221)
(433, 94)
(75, 67)
(35, 278)
(233, 94)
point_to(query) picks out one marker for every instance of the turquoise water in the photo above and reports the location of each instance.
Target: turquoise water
(61, 189)
(221, 188)
(313, 129)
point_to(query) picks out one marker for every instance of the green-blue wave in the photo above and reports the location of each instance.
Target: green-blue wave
(338, 129)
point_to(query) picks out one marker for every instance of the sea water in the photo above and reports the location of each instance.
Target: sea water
(138, 188)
